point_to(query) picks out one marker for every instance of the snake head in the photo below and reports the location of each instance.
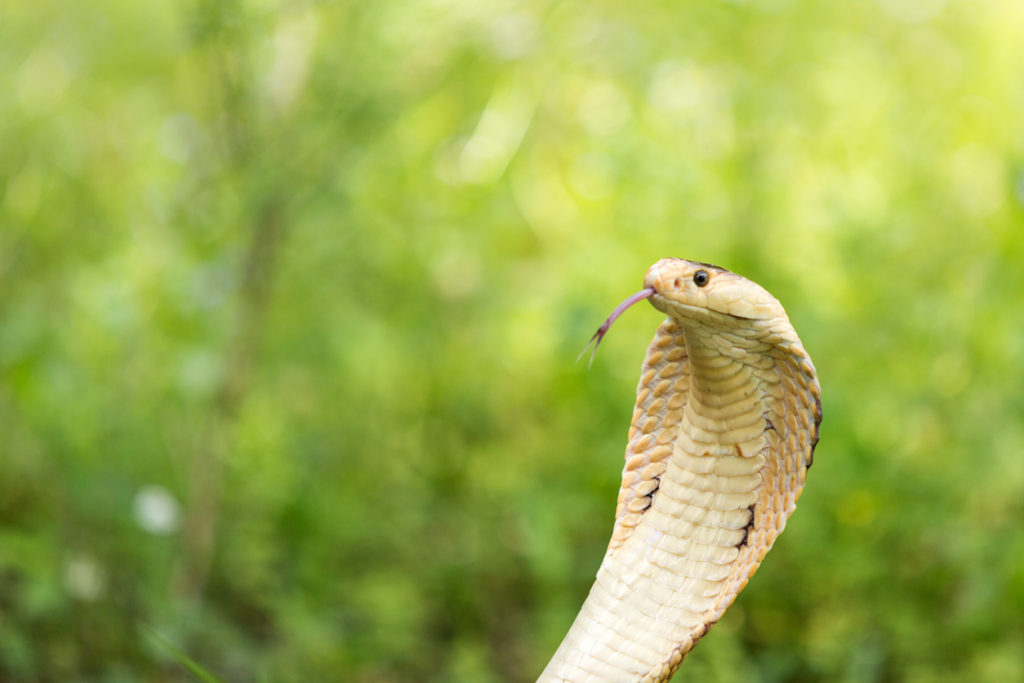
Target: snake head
(701, 292)
(692, 293)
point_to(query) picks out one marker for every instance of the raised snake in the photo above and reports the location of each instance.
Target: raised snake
(724, 430)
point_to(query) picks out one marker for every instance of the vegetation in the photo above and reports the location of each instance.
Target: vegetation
(290, 294)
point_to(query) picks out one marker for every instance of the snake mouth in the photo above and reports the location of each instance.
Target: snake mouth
(672, 308)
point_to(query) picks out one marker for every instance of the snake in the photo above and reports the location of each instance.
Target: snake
(727, 416)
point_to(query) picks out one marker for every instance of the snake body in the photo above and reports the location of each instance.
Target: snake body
(724, 430)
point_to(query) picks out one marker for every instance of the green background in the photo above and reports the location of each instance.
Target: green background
(290, 295)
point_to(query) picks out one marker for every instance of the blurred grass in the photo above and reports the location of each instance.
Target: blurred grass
(306, 280)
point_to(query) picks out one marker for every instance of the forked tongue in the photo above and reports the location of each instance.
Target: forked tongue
(607, 324)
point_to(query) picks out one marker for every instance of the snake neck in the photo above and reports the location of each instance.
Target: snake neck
(724, 413)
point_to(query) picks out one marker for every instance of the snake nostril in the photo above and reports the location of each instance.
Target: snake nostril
(678, 283)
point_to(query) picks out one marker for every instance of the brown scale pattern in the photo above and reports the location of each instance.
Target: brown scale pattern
(660, 400)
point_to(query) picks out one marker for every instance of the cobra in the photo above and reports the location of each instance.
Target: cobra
(727, 416)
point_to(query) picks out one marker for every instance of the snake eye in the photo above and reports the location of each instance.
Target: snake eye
(701, 277)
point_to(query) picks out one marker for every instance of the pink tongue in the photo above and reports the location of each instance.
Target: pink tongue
(606, 325)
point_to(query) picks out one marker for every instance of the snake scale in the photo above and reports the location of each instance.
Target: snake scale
(726, 421)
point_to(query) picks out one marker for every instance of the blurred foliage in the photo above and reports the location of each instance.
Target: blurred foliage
(290, 294)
